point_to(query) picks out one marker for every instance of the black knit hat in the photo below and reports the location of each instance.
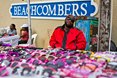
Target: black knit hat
(71, 17)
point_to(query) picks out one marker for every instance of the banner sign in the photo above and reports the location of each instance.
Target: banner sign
(54, 9)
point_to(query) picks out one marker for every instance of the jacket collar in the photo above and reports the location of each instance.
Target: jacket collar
(63, 26)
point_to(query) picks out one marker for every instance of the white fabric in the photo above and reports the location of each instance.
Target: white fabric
(34, 36)
(24, 25)
(13, 40)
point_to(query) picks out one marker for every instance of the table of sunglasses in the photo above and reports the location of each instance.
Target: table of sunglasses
(28, 62)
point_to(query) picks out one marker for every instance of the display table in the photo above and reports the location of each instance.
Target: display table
(28, 62)
(13, 40)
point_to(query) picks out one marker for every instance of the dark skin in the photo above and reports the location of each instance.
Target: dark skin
(69, 21)
(12, 26)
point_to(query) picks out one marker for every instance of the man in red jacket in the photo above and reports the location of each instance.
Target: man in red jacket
(67, 36)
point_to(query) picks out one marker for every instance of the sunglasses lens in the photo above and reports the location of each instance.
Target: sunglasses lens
(52, 54)
(27, 56)
(50, 58)
(58, 55)
(17, 59)
(71, 19)
(60, 64)
(14, 54)
(5, 63)
(115, 75)
(69, 62)
(36, 62)
(85, 70)
(26, 71)
(9, 58)
(91, 66)
(24, 65)
(43, 58)
(102, 76)
(47, 72)
(14, 64)
(15, 70)
(36, 55)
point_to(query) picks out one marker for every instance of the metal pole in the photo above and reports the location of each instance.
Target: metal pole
(111, 16)
(29, 23)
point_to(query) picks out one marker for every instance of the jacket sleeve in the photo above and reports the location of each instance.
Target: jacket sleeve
(81, 41)
(52, 41)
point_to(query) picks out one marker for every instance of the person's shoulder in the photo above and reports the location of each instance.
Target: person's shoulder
(59, 27)
(75, 28)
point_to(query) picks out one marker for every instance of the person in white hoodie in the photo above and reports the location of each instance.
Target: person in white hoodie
(12, 31)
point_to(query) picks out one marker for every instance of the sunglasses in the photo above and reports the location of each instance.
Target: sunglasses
(48, 71)
(86, 68)
(71, 19)
(35, 62)
(60, 63)
(26, 56)
(102, 76)
(53, 54)
(112, 65)
(59, 55)
(17, 59)
(2, 56)
(101, 58)
(39, 70)
(3, 71)
(114, 75)
(108, 73)
(51, 65)
(26, 71)
(47, 58)
(111, 53)
(14, 64)
(72, 59)
(23, 69)
(67, 73)
(62, 54)
(5, 63)
(15, 70)
(15, 54)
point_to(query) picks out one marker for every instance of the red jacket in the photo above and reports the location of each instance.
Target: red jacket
(75, 39)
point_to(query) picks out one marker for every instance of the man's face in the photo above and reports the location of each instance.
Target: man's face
(69, 21)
